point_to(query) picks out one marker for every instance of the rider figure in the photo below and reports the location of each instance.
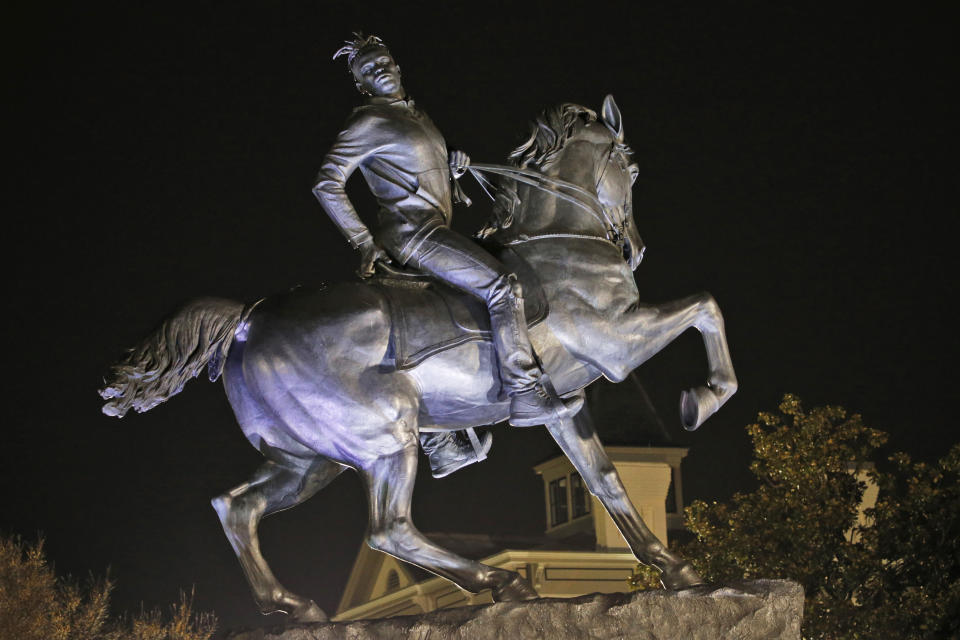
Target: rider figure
(405, 162)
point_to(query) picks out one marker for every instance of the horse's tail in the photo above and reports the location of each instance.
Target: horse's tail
(155, 370)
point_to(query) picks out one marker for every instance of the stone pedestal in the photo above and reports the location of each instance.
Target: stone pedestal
(754, 610)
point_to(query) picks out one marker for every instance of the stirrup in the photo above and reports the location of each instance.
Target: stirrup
(454, 454)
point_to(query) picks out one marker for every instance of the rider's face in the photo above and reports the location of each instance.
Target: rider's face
(377, 74)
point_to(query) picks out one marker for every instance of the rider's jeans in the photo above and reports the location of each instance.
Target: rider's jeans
(451, 257)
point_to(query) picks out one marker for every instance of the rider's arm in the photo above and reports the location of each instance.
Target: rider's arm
(351, 147)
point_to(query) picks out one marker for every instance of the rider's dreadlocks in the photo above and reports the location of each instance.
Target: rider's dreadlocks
(358, 45)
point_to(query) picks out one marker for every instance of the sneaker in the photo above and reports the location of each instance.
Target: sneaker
(448, 452)
(538, 406)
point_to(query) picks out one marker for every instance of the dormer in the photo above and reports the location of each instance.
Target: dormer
(651, 476)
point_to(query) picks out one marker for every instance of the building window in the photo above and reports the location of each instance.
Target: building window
(579, 496)
(558, 501)
(393, 581)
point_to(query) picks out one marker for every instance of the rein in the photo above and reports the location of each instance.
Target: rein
(564, 190)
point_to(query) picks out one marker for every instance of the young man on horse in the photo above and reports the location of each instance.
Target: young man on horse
(405, 162)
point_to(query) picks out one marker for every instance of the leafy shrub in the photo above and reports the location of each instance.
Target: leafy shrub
(36, 604)
(892, 572)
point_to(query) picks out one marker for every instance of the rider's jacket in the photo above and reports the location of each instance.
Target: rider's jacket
(403, 158)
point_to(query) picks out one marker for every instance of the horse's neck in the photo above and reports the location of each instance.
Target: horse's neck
(544, 213)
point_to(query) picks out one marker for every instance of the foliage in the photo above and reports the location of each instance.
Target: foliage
(894, 572)
(915, 583)
(35, 604)
(644, 578)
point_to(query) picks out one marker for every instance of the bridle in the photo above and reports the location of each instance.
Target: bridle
(618, 228)
(614, 230)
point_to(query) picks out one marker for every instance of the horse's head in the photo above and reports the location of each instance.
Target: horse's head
(586, 188)
(616, 173)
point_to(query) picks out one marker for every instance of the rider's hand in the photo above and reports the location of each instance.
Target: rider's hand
(370, 254)
(459, 161)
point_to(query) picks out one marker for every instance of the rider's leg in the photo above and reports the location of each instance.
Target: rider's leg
(465, 265)
(449, 451)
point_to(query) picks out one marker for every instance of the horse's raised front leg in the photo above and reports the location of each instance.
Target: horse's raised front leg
(578, 440)
(644, 330)
(390, 481)
(699, 403)
(272, 488)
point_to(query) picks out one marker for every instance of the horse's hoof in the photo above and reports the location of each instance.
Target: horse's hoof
(516, 590)
(683, 577)
(696, 405)
(308, 612)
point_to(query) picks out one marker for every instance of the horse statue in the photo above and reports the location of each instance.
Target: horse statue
(346, 376)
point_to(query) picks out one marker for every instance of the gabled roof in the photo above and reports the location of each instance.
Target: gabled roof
(367, 577)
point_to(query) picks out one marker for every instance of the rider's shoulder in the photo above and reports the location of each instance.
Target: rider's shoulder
(368, 115)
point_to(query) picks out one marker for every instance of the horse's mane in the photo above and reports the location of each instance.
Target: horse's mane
(549, 132)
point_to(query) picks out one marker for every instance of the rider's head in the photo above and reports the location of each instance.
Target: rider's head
(374, 70)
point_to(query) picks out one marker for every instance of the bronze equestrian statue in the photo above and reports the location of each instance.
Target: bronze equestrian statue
(352, 375)
(404, 160)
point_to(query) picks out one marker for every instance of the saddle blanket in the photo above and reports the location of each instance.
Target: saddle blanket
(429, 317)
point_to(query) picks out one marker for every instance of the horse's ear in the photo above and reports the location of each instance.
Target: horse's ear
(611, 117)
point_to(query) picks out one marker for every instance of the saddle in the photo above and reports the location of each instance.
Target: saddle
(429, 316)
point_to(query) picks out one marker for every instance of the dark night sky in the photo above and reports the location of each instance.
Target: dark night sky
(798, 163)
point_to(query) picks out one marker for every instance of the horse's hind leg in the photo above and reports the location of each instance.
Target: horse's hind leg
(578, 439)
(274, 486)
(389, 481)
